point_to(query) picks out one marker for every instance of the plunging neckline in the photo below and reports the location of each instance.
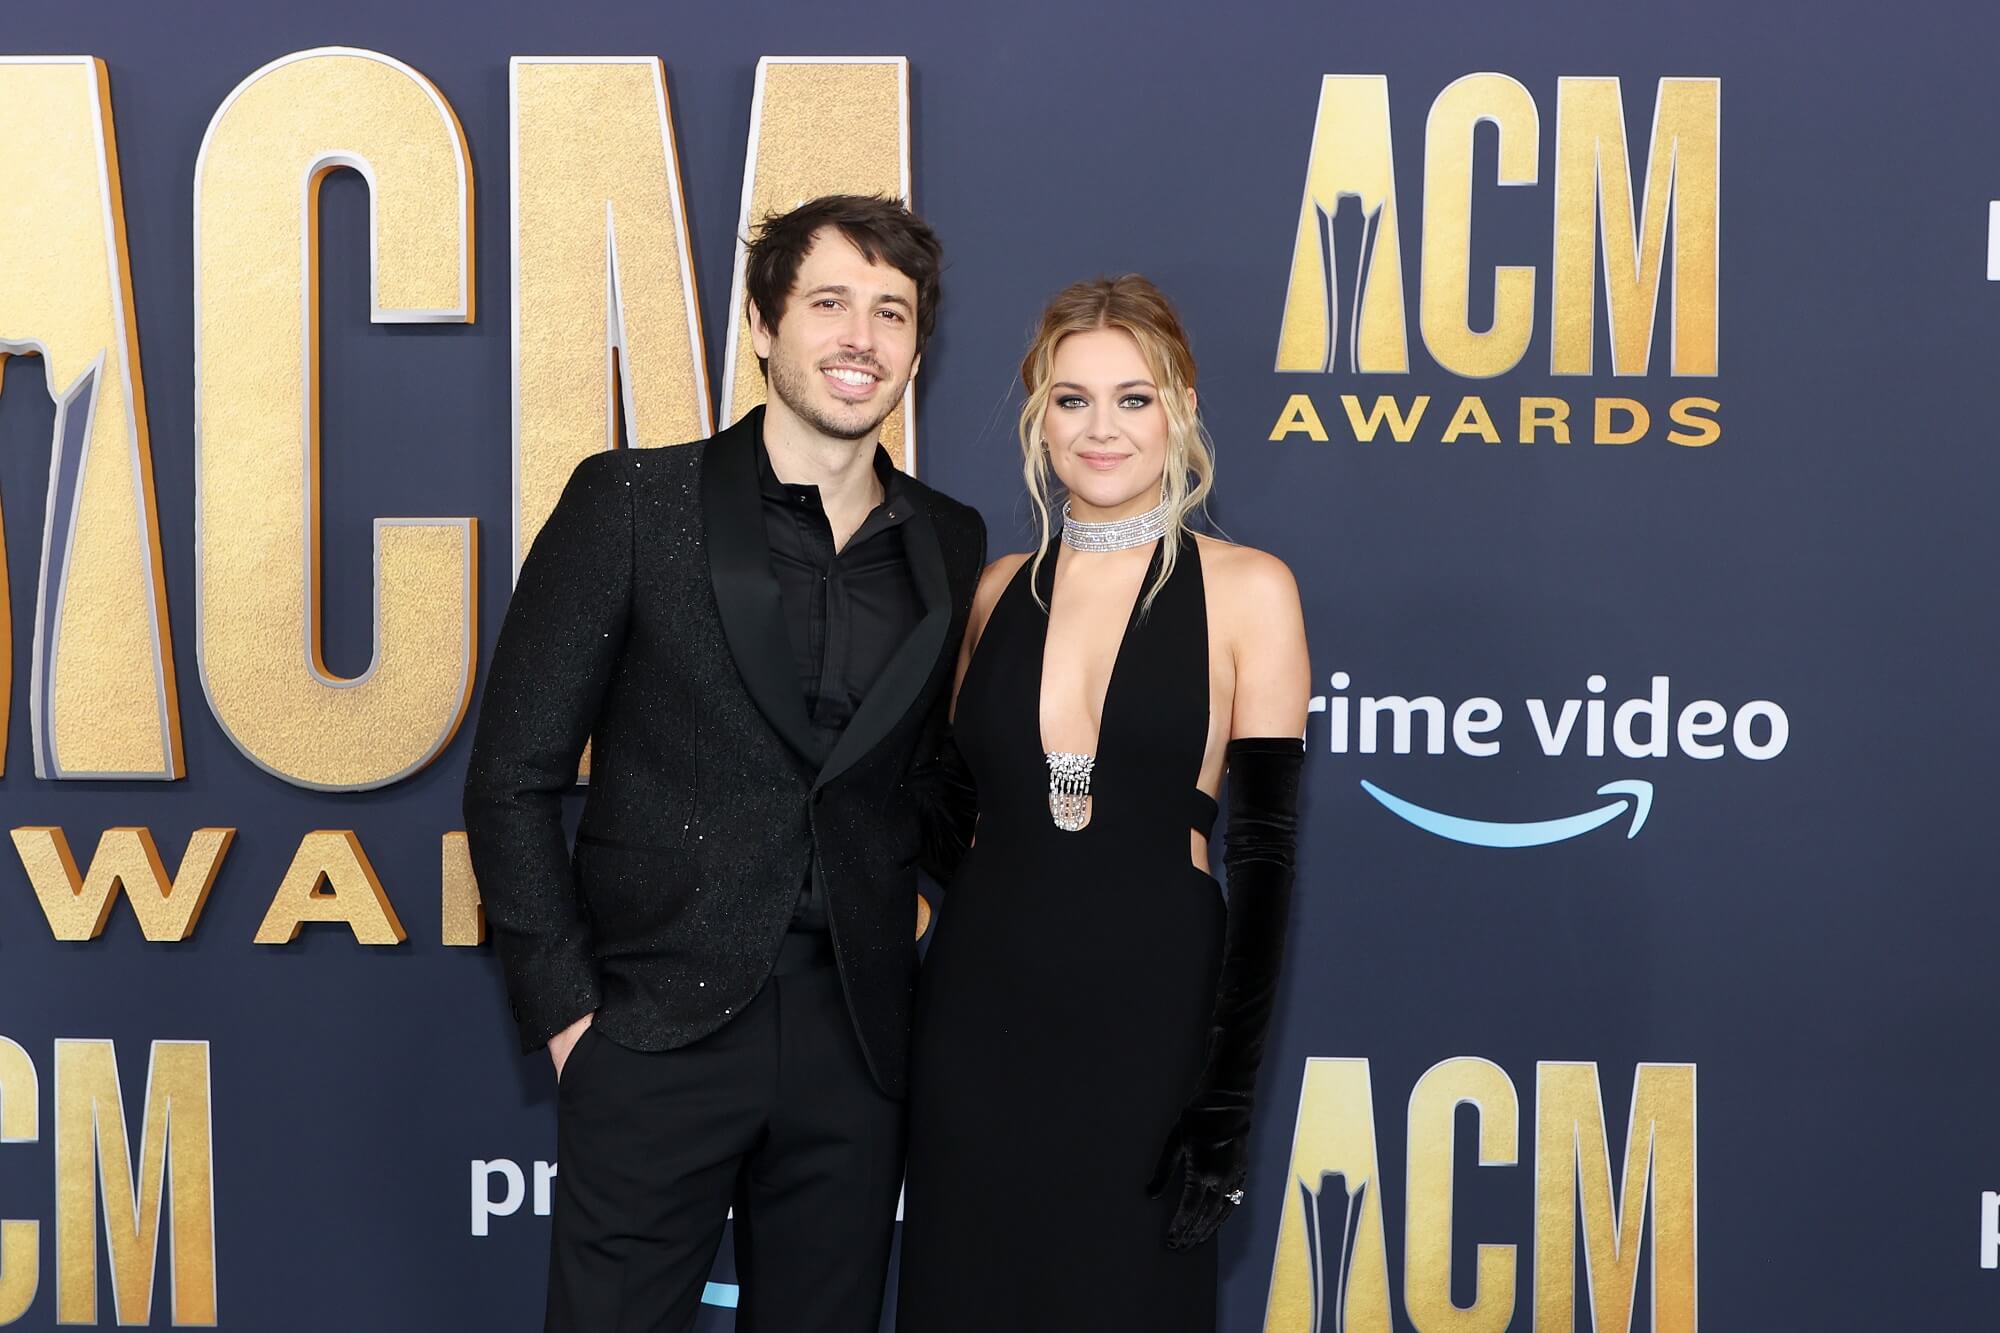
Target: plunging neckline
(1117, 657)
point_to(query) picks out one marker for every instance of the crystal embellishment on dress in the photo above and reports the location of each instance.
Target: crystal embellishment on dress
(1120, 534)
(1069, 789)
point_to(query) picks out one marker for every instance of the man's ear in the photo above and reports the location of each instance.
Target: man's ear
(761, 334)
(916, 363)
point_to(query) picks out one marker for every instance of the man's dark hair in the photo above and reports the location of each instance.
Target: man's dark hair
(883, 230)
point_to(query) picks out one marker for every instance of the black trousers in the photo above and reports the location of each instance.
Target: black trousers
(775, 1115)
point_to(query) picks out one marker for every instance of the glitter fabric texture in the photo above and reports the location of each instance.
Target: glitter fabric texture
(639, 624)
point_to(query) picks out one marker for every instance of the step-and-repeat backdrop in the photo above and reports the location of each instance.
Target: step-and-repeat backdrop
(1617, 380)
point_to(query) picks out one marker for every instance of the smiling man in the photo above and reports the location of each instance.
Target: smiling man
(756, 632)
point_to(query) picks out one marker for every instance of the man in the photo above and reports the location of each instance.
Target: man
(756, 633)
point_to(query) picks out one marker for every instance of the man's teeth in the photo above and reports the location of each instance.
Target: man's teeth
(854, 377)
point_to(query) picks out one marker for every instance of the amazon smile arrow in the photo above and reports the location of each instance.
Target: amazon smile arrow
(1634, 793)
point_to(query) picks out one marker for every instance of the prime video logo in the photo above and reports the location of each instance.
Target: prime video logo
(1650, 726)
(512, 1184)
(500, 1187)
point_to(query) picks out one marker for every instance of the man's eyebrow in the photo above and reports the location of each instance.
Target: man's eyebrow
(843, 290)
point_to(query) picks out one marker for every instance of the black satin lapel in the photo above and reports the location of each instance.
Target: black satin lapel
(746, 591)
(903, 679)
(927, 562)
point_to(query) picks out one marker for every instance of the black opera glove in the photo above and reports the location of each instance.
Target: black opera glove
(1211, 1140)
(947, 810)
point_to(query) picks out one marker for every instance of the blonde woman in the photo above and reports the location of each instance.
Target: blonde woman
(1091, 1013)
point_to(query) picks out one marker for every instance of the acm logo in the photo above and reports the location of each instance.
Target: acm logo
(1331, 1270)
(607, 340)
(1357, 281)
(1345, 308)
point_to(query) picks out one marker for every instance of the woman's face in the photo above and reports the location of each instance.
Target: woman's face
(1105, 425)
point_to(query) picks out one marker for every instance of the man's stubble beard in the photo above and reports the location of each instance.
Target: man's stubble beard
(794, 386)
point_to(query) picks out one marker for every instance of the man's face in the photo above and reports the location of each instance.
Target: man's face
(846, 345)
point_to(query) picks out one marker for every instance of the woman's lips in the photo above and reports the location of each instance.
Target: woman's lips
(1103, 462)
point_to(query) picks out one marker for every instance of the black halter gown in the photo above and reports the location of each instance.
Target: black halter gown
(1064, 1004)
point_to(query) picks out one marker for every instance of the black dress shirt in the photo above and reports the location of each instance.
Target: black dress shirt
(846, 611)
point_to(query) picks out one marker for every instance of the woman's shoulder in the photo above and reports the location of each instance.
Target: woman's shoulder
(1003, 567)
(993, 581)
(1254, 611)
(1246, 580)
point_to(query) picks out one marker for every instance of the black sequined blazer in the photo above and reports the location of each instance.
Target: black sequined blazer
(647, 621)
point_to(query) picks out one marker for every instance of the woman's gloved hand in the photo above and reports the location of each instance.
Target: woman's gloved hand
(1210, 1141)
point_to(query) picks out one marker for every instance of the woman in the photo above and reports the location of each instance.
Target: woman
(1089, 1014)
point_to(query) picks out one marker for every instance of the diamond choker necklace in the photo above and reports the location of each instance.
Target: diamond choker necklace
(1120, 534)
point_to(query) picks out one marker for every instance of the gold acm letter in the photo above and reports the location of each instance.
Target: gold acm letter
(1594, 186)
(1573, 1172)
(1330, 1234)
(606, 324)
(1484, 1086)
(257, 440)
(175, 1156)
(20, 1122)
(1445, 303)
(101, 695)
(1351, 157)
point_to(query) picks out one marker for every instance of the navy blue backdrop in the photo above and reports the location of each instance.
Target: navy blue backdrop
(1812, 930)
